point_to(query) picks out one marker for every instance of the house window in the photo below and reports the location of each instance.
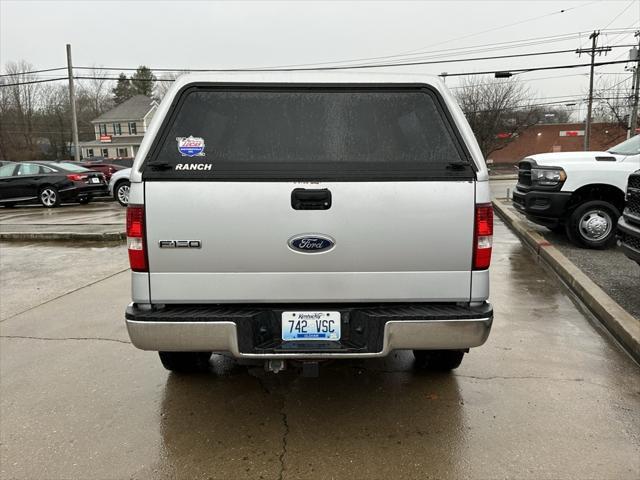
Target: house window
(105, 152)
(89, 152)
(122, 152)
(103, 128)
(133, 130)
(117, 129)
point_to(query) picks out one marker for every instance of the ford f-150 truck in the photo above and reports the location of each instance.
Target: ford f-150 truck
(581, 193)
(296, 217)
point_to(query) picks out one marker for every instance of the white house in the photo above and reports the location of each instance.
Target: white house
(119, 131)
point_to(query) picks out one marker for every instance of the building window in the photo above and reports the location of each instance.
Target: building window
(105, 152)
(133, 129)
(122, 152)
(103, 128)
(117, 129)
(89, 152)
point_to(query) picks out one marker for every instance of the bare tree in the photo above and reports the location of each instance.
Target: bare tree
(164, 83)
(612, 98)
(496, 110)
(20, 103)
(97, 90)
(54, 120)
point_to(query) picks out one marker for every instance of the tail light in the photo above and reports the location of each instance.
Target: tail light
(483, 236)
(136, 243)
(76, 177)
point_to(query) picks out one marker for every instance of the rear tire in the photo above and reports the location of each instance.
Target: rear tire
(185, 362)
(593, 224)
(438, 360)
(121, 193)
(557, 229)
(49, 197)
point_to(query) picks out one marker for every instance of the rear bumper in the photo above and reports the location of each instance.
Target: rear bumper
(368, 331)
(84, 191)
(542, 207)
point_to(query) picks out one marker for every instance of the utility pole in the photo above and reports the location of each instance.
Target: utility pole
(72, 100)
(591, 51)
(633, 118)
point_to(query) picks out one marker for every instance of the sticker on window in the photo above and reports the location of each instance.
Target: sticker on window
(191, 146)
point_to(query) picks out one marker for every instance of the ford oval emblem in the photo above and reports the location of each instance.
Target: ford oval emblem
(311, 243)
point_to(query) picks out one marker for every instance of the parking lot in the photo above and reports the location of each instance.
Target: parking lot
(610, 269)
(549, 396)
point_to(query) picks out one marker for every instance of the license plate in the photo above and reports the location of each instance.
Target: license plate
(310, 326)
(95, 180)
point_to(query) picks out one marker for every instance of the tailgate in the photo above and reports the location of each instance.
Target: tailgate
(395, 220)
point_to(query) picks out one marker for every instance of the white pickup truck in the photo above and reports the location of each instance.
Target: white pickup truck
(582, 193)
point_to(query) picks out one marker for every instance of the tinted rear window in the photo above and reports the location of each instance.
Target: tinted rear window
(72, 167)
(307, 134)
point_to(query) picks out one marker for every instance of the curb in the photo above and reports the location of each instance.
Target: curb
(620, 323)
(61, 236)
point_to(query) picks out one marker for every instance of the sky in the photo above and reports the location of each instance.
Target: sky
(207, 34)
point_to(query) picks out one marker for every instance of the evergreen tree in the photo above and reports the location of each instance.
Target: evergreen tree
(123, 90)
(143, 81)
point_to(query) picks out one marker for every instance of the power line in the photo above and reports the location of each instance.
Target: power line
(619, 14)
(432, 62)
(30, 82)
(516, 71)
(413, 52)
(536, 69)
(295, 66)
(32, 71)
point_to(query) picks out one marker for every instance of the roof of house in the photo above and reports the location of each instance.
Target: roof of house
(115, 142)
(133, 109)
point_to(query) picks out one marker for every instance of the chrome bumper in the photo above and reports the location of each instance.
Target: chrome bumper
(222, 337)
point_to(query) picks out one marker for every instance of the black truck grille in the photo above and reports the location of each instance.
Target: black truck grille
(633, 202)
(632, 212)
(524, 173)
(629, 240)
(634, 180)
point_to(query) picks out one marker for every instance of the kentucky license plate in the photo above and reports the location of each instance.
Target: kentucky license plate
(311, 326)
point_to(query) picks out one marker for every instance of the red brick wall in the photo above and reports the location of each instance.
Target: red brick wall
(545, 138)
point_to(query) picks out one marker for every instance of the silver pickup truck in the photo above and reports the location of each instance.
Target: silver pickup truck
(296, 217)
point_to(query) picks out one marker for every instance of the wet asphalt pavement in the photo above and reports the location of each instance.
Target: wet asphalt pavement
(549, 395)
(610, 269)
(96, 217)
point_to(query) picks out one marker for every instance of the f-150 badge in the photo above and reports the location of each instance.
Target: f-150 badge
(191, 146)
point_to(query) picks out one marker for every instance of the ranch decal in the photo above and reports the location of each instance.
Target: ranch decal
(191, 146)
(193, 166)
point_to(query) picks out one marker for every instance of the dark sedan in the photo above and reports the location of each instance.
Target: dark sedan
(50, 183)
(107, 169)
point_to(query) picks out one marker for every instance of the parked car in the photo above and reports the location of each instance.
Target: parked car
(50, 183)
(107, 169)
(581, 193)
(629, 223)
(119, 186)
(125, 162)
(329, 216)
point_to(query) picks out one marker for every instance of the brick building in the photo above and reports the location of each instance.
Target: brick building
(558, 137)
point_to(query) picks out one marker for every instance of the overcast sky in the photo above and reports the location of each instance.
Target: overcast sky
(206, 34)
